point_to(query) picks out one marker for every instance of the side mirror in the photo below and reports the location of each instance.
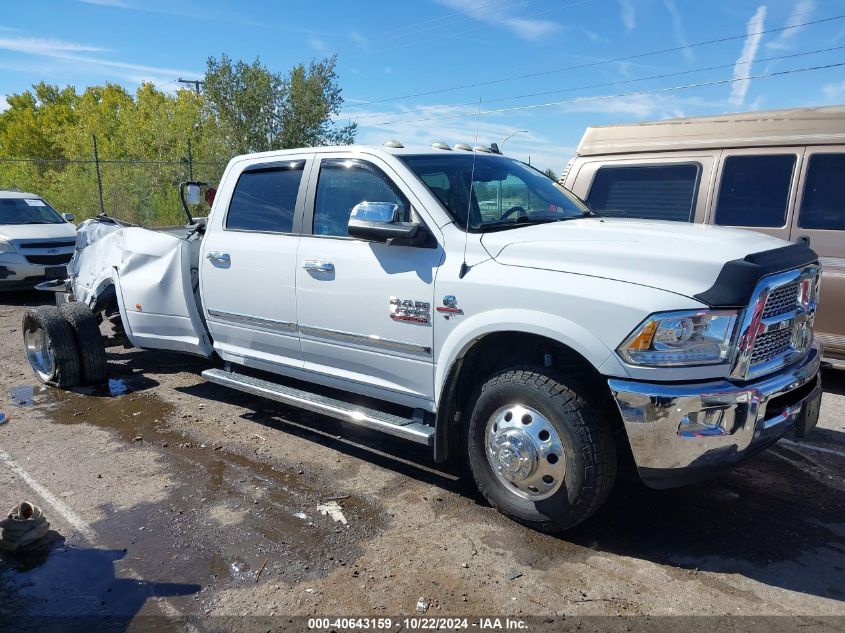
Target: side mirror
(379, 222)
(68, 217)
(193, 195)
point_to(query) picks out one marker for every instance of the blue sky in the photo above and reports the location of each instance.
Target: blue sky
(390, 52)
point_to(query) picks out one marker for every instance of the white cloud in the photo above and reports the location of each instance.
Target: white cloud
(834, 92)
(72, 52)
(797, 16)
(45, 46)
(742, 68)
(360, 40)
(628, 14)
(501, 13)
(4, 105)
(318, 45)
(678, 28)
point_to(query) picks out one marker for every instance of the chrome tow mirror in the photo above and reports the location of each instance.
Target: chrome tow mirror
(380, 222)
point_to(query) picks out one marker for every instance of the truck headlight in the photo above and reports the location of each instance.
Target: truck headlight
(6, 247)
(694, 337)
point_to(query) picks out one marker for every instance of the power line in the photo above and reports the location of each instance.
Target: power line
(617, 96)
(602, 85)
(600, 62)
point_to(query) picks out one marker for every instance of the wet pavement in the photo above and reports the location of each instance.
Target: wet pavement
(171, 496)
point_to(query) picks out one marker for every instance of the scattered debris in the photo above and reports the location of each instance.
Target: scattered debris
(260, 437)
(24, 525)
(309, 590)
(300, 515)
(261, 569)
(333, 509)
(337, 498)
(514, 574)
(138, 438)
(4, 417)
(422, 604)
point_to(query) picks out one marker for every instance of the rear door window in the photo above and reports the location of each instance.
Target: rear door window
(755, 190)
(654, 192)
(823, 203)
(265, 198)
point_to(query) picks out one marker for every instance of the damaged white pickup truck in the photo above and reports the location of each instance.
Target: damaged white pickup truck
(462, 300)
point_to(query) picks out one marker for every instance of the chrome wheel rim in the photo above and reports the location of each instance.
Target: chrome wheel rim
(525, 452)
(39, 354)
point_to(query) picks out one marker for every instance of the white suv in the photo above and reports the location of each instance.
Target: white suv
(36, 242)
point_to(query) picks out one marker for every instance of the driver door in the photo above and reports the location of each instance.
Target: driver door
(351, 332)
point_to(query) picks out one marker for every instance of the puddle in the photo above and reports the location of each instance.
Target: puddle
(227, 520)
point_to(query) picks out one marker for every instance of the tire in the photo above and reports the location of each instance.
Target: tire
(550, 412)
(89, 342)
(50, 347)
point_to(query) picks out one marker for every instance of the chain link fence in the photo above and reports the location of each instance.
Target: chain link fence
(143, 192)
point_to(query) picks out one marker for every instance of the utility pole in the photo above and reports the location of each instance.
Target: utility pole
(196, 82)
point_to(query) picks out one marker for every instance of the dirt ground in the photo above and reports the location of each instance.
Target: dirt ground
(169, 496)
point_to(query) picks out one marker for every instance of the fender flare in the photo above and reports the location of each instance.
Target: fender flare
(465, 335)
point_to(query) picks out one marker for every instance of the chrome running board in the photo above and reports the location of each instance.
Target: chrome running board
(407, 428)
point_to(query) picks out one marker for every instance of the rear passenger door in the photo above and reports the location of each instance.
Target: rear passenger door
(820, 221)
(248, 263)
(756, 189)
(652, 188)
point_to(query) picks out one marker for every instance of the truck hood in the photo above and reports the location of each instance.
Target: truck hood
(674, 256)
(10, 232)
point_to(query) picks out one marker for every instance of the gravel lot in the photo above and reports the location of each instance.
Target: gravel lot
(171, 496)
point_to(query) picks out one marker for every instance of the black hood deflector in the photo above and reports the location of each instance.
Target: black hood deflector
(738, 278)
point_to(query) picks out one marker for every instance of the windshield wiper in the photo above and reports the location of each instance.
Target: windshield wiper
(509, 224)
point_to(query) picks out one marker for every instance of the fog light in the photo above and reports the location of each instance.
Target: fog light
(707, 423)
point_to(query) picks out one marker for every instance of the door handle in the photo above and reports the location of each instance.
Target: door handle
(320, 267)
(803, 239)
(218, 257)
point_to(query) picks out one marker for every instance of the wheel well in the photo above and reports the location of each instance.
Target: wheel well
(500, 350)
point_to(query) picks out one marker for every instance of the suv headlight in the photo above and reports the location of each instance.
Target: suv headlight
(694, 337)
(6, 247)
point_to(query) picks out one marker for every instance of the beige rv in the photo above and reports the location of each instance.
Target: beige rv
(780, 172)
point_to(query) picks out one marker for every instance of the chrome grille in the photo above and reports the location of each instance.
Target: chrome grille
(770, 345)
(775, 333)
(782, 300)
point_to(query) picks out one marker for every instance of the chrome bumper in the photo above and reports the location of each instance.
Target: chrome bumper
(681, 433)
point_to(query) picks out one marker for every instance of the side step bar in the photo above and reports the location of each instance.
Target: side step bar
(407, 428)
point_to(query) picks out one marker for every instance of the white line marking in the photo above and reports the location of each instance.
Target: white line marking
(83, 528)
(58, 505)
(819, 449)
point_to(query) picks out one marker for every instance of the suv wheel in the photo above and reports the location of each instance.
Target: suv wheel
(50, 347)
(540, 449)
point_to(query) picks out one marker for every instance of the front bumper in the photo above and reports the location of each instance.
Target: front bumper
(682, 433)
(17, 275)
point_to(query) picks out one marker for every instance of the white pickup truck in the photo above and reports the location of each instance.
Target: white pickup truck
(462, 300)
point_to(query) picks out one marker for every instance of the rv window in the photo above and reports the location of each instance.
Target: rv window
(823, 206)
(655, 192)
(755, 190)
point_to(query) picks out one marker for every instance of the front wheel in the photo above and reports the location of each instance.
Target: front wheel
(540, 447)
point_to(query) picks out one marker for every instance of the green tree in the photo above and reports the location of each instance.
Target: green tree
(259, 110)
(551, 174)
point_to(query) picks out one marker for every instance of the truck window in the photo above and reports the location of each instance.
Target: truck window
(755, 190)
(823, 204)
(265, 198)
(344, 183)
(654, 192)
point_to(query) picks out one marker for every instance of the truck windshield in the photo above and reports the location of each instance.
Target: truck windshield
(504, 193)
(27, 211)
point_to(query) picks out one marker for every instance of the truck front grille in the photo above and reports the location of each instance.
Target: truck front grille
(782, 330)
(53, 244)
(782, 300)
(770, 345)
